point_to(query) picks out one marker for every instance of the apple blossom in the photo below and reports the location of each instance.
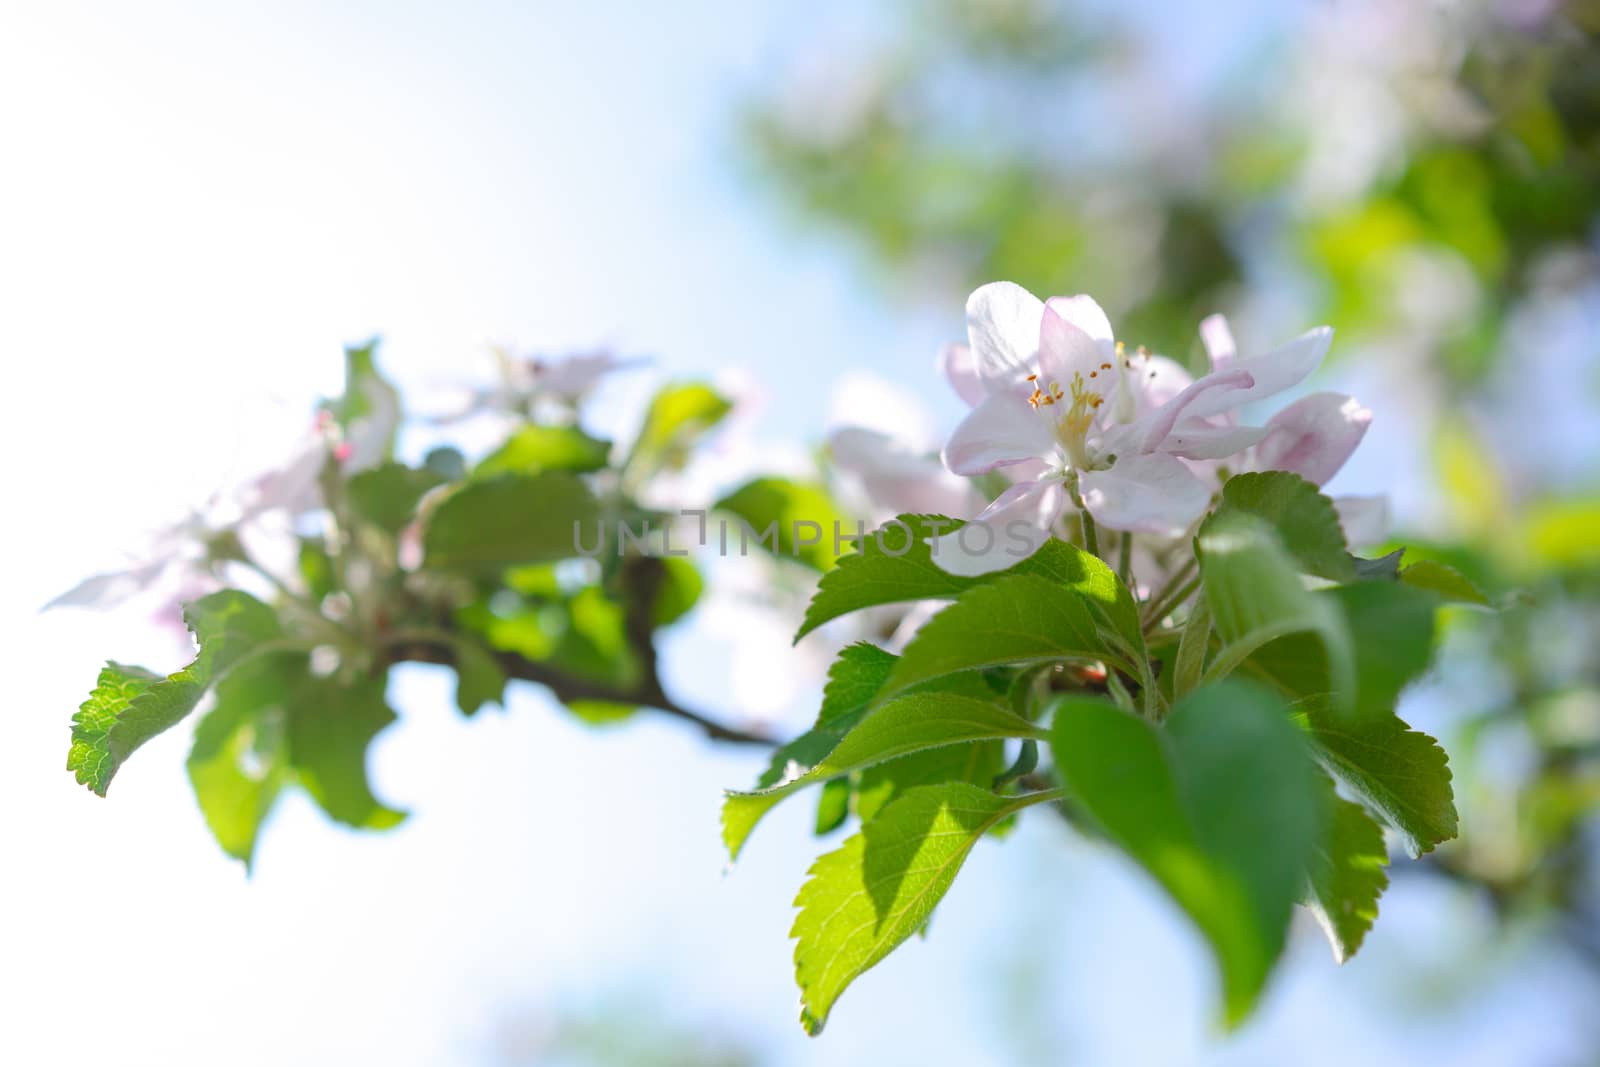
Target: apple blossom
(1094, 421)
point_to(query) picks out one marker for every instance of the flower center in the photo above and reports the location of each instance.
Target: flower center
(1071, 414)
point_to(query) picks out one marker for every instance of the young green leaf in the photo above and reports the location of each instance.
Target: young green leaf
(1018, 619)
(1257, 597)
(1223, 805)
(1444, 580)
(1347, 877)
(790, 519)
(534, 449)
(130, 705)
(330, 726)
(1305, 521)
(485, 527)
(677, 417)
(896, 565)
(862, 900)
(479, 679)
(911, 723)
(976, 763)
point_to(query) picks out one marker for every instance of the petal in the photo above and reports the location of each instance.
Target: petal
(1008, 531)
(1313, 436)
(110, 589)
(1001, 430)
(1066, 352)
(960, 368)
(1365, 519)
(1086, 315)
(1273, 373)
(1145, 494)
(1194, 439)
(1003, 328)
(897, 478)
(1158, 380)
(1146, 433)
(1216, 335)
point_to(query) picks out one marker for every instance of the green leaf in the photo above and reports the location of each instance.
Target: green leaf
(1306, 522)
(330, 725)
(601, 712)
(1443, 580)
(900, 727)
(1223, 806)
(485, 527)
(862, 900)
(370, 404)
(534, 449)
(130, 705)
(678, 416)
(853, 680)
(790, 519)
(681, 586)
(833, 805)
(896, 565)
(387, 495)
(1257, 597)
(239, 762)
(1347, 877)
(1400, 775)
(976, 763)
(1019, 619)
(479, 679)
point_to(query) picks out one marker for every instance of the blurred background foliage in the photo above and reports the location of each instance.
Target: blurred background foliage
(1426, 177)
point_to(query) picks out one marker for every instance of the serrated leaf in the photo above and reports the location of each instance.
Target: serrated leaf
(533, 449)
(976, 763)
(485, 527)
(1019, 619)
(1399, 774)
(1223, 806)
(1257, 597)
(896, 565)
(387, 495)
(790, 519)
(130, 705)
(1305, 521)
(1347, 877)
(911, 723)
(862, 900)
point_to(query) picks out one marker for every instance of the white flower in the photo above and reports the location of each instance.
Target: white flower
(1312, 437)
(1062, 395)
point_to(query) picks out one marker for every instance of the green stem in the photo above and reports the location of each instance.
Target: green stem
(1125, 559)
(1171, 604)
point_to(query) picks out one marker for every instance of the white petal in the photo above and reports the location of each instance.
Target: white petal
(960, 368)
(1007, 532)
(1273, 373)
(1365, 519)
(1313, 436)
(1086, 315)
(1216, 335)
(1003, 329)
(1158, 380)
(898, 479)
(1148, 432)
(110, 589)
(1001, 430)
(1193, 439)
(1066, 352)
(1146, 494)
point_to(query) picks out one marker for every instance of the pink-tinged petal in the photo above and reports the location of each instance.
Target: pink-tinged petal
(109, 590)
(1194, 439)
(1001, 430)
(1146, 494)
(1313, 436)
(1007, 532)
(1027, 470)
(898, 479)
(1066, 352)
(1273, 373)
(1365, 519)
(1086, 315)
(1003, 329)
(1216, 335)
(960, 368)
(1149, 431)
(1157, 381)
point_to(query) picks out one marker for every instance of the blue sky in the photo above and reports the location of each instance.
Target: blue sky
(202, 205)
